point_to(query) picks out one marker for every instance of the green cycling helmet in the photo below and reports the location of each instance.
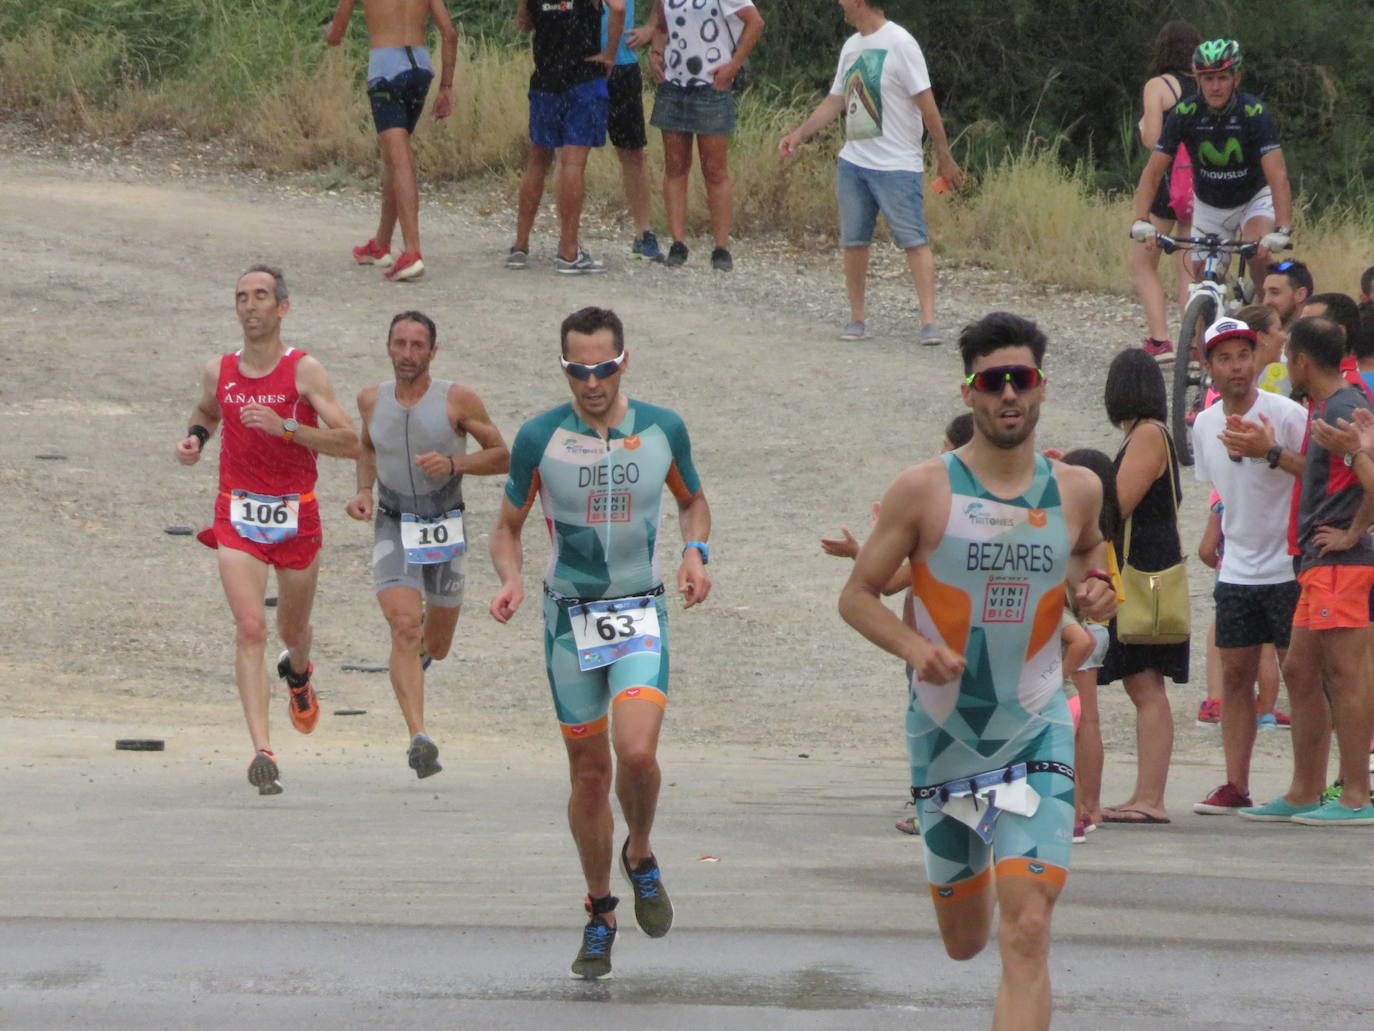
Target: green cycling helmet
(1216, 55)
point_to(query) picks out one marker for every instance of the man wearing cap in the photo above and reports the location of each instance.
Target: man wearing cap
(1249, 447)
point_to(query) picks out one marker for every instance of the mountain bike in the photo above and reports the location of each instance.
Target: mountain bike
(1216, 292)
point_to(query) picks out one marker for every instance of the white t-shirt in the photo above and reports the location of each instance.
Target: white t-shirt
(878, 75)
(702, 36)
(1256, 499)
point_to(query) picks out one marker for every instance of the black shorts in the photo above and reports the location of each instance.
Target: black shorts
(1253, 614)
(625, 123)
(1162, 206)
(398, 102)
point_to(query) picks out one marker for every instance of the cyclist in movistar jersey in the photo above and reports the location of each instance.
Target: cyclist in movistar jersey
(1240, 181)
(599, 466)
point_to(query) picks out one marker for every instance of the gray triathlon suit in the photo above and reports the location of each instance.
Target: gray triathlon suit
(398, 435)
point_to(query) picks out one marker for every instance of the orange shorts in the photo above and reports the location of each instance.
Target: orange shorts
(1334, 598)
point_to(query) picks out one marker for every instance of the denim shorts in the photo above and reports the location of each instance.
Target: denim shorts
(702, 110)
(576, 117)
(863, 192)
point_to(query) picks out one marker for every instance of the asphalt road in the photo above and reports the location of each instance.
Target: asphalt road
(157, 890)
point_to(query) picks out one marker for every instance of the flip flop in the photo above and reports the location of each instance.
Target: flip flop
(1131, 816)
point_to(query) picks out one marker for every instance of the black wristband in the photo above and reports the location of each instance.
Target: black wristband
(200, 433)
(1274, 455)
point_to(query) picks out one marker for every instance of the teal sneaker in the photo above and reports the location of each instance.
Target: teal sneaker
(1277, 811)
(653, 910)
(1333, 814)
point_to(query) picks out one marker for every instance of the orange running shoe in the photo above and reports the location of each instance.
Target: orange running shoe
(304, 707)
(262, 773)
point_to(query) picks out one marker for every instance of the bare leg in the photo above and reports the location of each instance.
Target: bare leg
(966, 923)
(1239, 669)
(720, 192)
(635, 180)
(1154, 740)
(634, 733)
(1270, 661)
(1311, 737)
(921, 262)
(399, 182)
(589, 811)
(1352, 708)
(1087, 747)
(855, 274)
(677, 163)
(1144, 267)
(401, 607)
(245, 582)
(572, 169)
(386, 222)
(1023, 997)
(440, 623)
(295, 600)
(531, 193)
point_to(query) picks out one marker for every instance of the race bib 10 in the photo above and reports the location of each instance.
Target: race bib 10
(428, 542)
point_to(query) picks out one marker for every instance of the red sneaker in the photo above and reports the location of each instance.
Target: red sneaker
(1161, 351)
(1223, 801)
(372, 253)
(304, 706)
(1209, 712)
(408, 266)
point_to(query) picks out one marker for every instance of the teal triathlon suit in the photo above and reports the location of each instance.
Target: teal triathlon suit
(601, 501)
(993, 590)
(1226, 146)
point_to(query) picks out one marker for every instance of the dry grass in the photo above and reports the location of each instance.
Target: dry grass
(294, 106)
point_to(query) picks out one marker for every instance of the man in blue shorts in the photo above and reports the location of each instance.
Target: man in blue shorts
(398, 76)
(994, 532)
(569, 103)
(598, 465)
(883, 90)
(1240, 180)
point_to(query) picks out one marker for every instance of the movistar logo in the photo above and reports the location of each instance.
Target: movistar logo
(1221, 158)
(1185, 107)
(1253, 109)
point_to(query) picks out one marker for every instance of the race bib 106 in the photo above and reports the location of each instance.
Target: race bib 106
(428, 542)
(262, 518)
(607, 631)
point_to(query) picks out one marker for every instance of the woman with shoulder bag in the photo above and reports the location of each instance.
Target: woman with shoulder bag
(1148, 639)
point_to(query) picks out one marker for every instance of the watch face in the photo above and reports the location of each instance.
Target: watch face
(290, 425)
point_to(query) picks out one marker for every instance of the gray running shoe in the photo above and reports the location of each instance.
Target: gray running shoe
(262, 773)
(517, 259)
(423, 756)
(653, 910)
(721, 260)
(593, 960)
(855, 330)
(677, 254)
(930, 335)
(583, 265)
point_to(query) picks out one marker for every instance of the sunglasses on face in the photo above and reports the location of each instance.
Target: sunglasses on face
(995, 379)
(602, 370)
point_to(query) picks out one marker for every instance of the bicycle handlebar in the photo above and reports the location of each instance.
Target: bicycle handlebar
(1211, 242)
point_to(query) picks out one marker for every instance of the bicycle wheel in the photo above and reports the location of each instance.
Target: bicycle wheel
(1190, 377)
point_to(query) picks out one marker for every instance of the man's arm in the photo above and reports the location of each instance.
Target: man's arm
(337, 436)
(205, 414)
(694, 517)
(524, 21)
(507, 556)
(448, 35)
(642, 36)
(826, 112)
(1094, 597)
(360, 507)
(615, 28)
(467, 414)
(1254, 440)
(338, 25)
(935, 129)
(895, 538)
(724, 76)
(1276, 175)
(1332, 538)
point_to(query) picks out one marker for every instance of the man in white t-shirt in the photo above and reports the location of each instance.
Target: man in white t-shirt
(883, 90)
(1248, 445)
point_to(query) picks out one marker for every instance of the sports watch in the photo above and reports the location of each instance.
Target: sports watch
(1275, 453)
(702, 547)
(288, 429)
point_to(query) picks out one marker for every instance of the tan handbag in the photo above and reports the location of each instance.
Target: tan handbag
(1156, 609)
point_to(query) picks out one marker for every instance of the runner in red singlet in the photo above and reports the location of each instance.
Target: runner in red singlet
(277, 409)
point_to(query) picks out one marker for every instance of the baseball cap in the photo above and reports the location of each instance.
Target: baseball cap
(1224, 329)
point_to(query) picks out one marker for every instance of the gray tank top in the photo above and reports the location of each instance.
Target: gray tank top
(399, 434)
